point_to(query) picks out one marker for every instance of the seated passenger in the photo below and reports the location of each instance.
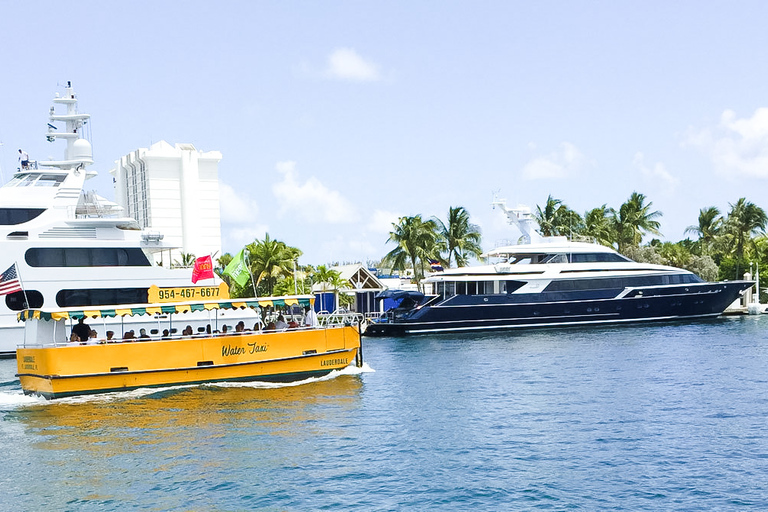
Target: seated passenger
(166, 334)
(74, 338)
(240, 327)
(93, 338)
(110, 335)
(128, 336)
(281, 325)
(143, 334)
(270, 326)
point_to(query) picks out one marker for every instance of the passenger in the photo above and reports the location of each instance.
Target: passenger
(24, 159)
(74, 338)
(187, 331)
(281, 325)
(293, 324)
(110, 335)
(224, 329)
(82, 329)
(166, 334)
(143, 334)
(240, 327)
(129, 336)
(310, 318)
(270, 327)
(258, 325)
(208, 329)
(93, 337)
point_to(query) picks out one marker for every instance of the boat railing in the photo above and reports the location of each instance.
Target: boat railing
(340, 316)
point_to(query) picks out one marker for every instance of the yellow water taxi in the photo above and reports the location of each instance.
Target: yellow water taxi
(51, 365)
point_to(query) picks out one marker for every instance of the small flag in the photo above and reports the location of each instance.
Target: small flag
(203, 269)
(237, 269)
(435, 266)
(9, 281)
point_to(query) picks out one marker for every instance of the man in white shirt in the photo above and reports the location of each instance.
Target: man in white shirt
(310, 318)
(24, 159)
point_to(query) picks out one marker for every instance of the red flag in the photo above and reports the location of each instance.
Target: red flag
(203, 269)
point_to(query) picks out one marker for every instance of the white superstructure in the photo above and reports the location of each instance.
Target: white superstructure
(71, 247)
(173, 190)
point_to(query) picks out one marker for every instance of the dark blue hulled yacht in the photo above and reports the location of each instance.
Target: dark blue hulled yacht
(553, 282)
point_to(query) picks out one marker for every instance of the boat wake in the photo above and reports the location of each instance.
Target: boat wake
(12, 399)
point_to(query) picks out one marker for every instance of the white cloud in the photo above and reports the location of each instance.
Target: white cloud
(564, 162)
(381, 221)
(657, 172)
(235, 208)
(310, 201)
(737, 147)
(346, 64)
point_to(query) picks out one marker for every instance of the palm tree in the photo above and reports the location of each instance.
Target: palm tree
(633, 220)
(557, 219)
(744, 220)
(709, 227)
(598, 226)
(461, 237)
(417, 240)
(270, 259)
(187, 260)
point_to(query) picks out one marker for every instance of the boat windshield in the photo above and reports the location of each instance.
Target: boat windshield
(36, 180)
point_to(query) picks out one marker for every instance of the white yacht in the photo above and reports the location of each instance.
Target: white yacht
(552, 281)
(73, 248)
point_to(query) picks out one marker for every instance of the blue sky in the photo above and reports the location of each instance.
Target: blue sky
(335, 118)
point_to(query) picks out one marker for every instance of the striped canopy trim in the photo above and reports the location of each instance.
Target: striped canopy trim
(112, 311)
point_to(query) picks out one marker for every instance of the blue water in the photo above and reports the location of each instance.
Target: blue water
(656, 417)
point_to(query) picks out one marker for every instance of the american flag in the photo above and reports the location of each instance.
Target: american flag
(9, 281)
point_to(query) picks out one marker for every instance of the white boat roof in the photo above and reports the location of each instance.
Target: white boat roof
(550, 245)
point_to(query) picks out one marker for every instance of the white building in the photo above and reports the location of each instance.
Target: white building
(174, 191)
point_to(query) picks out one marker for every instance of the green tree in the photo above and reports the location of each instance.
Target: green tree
(633, 220)
(417, 241)
(557, 219)
(269, 260)
(187, 260)
(598, 225)
(744, 220)
(460, 236)
(708, 228)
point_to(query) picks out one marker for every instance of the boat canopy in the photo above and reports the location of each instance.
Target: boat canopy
(167, 308)
(399, 294)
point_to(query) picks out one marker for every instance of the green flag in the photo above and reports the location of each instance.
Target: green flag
(237, 269)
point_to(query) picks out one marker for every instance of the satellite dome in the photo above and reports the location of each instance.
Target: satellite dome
(81, 150)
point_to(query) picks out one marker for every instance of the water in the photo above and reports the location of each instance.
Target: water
(657, 417)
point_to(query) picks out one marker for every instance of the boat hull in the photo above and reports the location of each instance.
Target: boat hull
(477, 313)
(60, 371)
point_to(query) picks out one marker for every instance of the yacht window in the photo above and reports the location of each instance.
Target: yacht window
(14, 216)
(461, 288)
(471, 288)
(555, 258)
(19, 301)
(450, 289)
(510, 286)
(598, 257)
(50, 180)
(620, 282)
(101, 297)
(86, 257)
(27, 180)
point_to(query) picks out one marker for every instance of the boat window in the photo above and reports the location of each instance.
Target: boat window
(19, 301)
(50, 180)
(598, 257)
(461, 288)
(555, 258)
(620, 282)
(450, 289)
(86, 257)
(101, 297)
(510, 286)
(14, 216)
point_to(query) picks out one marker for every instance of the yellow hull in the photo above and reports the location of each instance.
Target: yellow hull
(55, 372)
